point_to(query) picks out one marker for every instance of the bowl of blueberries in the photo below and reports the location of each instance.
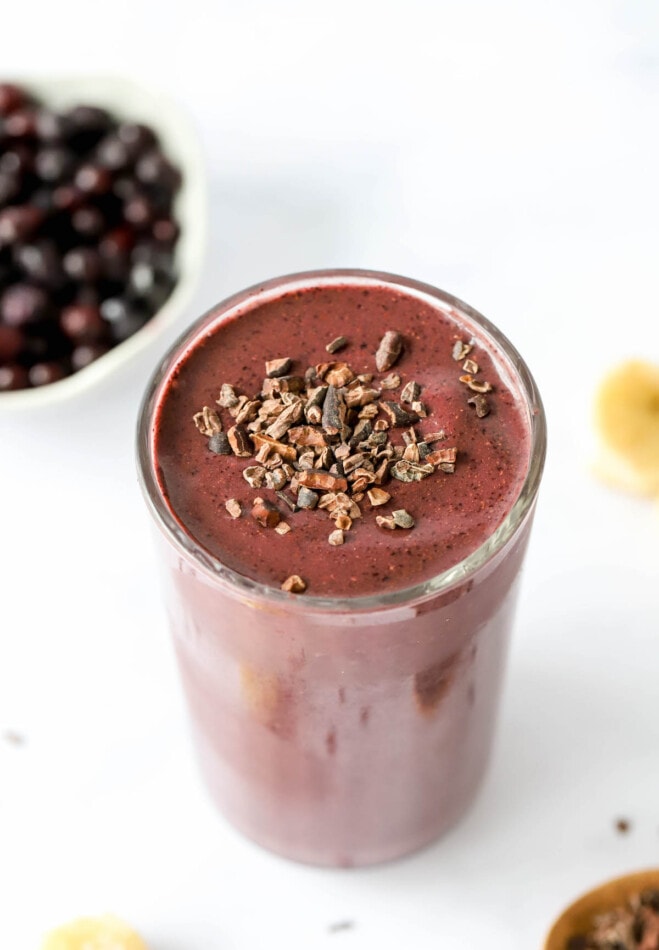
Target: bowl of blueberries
(102, 230)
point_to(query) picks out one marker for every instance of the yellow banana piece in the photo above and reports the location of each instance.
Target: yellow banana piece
(94, 933)
(627, 423)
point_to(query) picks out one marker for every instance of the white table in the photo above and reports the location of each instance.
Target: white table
(508, 153)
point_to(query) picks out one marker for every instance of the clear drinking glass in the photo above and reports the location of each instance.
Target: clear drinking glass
(346, 731)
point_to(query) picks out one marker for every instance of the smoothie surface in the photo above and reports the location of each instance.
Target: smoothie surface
(454, 513)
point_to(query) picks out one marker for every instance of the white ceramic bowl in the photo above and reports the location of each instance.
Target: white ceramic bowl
(133, 101)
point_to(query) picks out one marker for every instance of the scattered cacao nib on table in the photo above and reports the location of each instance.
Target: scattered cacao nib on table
(323, 441)
(87, 236)
(631, 926)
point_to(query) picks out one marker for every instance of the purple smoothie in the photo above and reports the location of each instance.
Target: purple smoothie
(355, 727)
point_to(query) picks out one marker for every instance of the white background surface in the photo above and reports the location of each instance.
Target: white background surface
(507, 152)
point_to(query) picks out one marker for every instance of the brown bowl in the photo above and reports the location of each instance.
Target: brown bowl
(578, 917)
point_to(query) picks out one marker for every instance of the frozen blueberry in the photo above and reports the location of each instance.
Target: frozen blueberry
(93, 179)
(54, 163)
(83, 323)
(22, 304)
(13, 376)
(41, 263)
(11, 97)
(87, 353)
(154, 169)
(11, 343)
(88, 221)
(19, 222)
(82, 264)
(43, 374)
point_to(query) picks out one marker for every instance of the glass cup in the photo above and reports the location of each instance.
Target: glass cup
(350, 731)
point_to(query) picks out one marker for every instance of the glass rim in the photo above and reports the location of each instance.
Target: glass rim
(246, 587)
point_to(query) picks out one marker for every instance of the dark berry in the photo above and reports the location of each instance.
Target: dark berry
(83, 323)
(114, 309)
(87, 125)
(135, 137)
(67, 197)
(116, 243)
(124, 327)
(139, 212)
(42, 374)
(54, 163)
(82, 264)
(11, 343)
(17, 160)
(153, 254)
(112, 153)
(125, 188)
(52, 126)
(143, 278)
(22, 304)
(165, 231)
(10, 187)
(11, 97)
(87, 221)
(93, 179)
(21, 124)
(19, 222)
(88, 295)
(41, 263)
(154, 169)
(88, 117)
(86, 353)
(13, 376)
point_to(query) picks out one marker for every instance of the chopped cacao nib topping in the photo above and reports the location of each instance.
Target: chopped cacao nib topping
(307, 435)
(406, 471)
(431, 437)
(389, 350)
(207, 421)
(338, 374)
(287, 499)
(328, 441)
(443, 459)
(228, 396)
(279, 367)
(294, 584)
(219, 444)
(276, 479)
(322, 480)
(283, 384)
(629, 925)
(481, 406)
(411, 392)
(333, 411)
(254, 475)
(338, 343)
(274, 445)
(266, 513)
(475, 385)
(402, 518)
(399, 417)
(233, 507)
(306, 497)
(461, 350)
(385, 521)
(240, 441)
(392, 381)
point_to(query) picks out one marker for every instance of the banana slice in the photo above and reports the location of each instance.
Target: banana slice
(627, 423)
(94, 933)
